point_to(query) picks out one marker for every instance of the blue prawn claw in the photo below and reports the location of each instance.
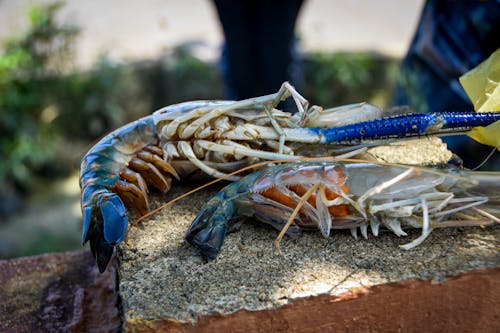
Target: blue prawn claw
(105, 224)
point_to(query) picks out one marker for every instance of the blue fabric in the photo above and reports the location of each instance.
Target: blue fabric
(452, 37)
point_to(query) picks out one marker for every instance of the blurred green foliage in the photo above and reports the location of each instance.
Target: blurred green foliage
(44, 103)
(89, 103)
(200, 79)
(29, 67)
(332, 79)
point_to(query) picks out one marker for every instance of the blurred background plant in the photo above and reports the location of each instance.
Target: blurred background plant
(332, 79)
(51, 113)
(29, 70)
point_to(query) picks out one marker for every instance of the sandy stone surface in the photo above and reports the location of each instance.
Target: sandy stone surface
(425, 151)
(467, 303)
(163, 277)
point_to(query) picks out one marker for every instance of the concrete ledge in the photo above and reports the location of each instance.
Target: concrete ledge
(164, 283)
(162, 277)
(467, 303)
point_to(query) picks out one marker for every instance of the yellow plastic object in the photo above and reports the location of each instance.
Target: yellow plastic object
(481, 85)
(489, 135)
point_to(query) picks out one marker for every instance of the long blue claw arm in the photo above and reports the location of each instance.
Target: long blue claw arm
(405, 126)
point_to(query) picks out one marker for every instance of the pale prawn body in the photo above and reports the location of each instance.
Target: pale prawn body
(328, 195)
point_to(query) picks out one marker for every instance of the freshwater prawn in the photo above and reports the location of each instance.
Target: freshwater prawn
(217, 137)
(354, 195)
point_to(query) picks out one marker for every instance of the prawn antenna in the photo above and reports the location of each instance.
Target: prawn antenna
(487, 158)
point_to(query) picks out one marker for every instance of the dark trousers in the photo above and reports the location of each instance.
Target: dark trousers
(259, 35)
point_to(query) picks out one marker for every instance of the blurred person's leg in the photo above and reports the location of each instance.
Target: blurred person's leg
(259, 36)
(238, 20)
(276, 33)
(451, 38)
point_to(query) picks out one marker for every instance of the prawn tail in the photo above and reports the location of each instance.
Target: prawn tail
(105, 224)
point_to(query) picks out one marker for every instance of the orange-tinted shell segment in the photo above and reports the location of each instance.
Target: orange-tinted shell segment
(342, 210)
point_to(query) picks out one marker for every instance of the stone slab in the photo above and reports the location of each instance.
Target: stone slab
(163, 278)
(467, 303)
